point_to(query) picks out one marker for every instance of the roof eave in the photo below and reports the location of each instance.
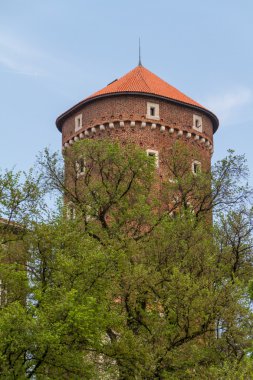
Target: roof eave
(60, 119)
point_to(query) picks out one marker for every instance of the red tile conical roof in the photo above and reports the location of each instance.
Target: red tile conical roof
(142, 80)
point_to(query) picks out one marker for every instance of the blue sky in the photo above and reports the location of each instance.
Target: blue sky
(53, 53)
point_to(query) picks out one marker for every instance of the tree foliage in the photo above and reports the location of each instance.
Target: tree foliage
(130, 278)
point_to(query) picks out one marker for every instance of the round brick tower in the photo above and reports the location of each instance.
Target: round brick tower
(143, 109)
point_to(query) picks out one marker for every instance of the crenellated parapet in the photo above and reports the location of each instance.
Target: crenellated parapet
(175, 132)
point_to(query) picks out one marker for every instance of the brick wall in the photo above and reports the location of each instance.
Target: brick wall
(134, 108)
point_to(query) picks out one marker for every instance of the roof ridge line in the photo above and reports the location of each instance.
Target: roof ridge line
(142, 67)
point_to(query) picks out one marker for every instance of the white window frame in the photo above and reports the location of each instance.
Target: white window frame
(156, 108)
(198, 163)
(197, 119)
(173, 214)
(70, 211)
(3, 294)
(80, 169)
(78, 122)
(154, 153)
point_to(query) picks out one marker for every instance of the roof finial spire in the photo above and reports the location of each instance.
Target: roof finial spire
(140, 64)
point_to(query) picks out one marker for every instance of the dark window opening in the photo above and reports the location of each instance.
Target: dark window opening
(78, 122)
(152, 111)
(196, 167)
(197, 123)
(155, 155)
(81, 165)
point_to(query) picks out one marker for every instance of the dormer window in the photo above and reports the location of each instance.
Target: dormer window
(197, 123)
(153, 111)
(78, 122)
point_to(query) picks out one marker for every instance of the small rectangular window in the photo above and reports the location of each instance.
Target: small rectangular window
(71, 211)
(196, 167)
(197, 123)
(173, 214)
(3, 294)
(153, 111)
(80, 167)
(78, 122)
(154, 153)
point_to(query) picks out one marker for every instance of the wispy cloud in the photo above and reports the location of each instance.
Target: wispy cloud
(227, 104)
(19, 57)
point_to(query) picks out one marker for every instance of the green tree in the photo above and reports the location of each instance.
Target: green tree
(130, 279)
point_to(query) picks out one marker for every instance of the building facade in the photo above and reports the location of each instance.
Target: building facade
(143, 109)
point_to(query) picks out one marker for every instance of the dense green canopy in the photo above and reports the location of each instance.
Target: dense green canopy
(128, 278)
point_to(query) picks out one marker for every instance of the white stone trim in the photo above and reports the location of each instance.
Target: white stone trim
(197, 123)
(70, 211)
(3, 294)
(150, 107)
(80, 166)
(196, 137)
(196, 164)
(154, 153)
(78, 122)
